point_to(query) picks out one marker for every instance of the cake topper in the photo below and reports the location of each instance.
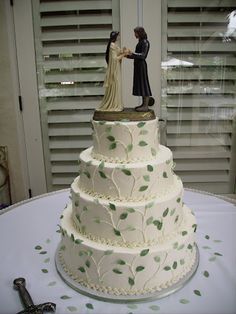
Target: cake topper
(112, 100)
(141, 86)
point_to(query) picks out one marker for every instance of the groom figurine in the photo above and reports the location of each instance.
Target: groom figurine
(141, 85)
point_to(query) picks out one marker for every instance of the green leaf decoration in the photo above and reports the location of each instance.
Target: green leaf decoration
(205, 247)
(38, 247)
(126, 172)
(167, 268)
(158, 224)
(117, 271)
(141, 124)
(101, 165)
(112, 146)
(81, 253)
(207, 237)
(190, 246)
(143, 188)
(144, 252)
(72, 237)
(108, 252)
(89, 252)
(197, 292)
(142, 143)
(102, 174)
(157, 259)
(149, 221)
(176, 219)
(174, 266)
(111, 138)
(43, 252)
(89, 306)
(175, 245)
(130, 228)
(165, 175)
(131, 281)
(120, 262)
(129, 148)
(112, 206)
(139, 268)
(143, 132)
(72, 308)
(101, 122)
(108, 129)
(178, 200)
(154, 307)
(217, 241)
(85, 208)
(132, 306)
(153, 151)
(181, 247)
(65, 297)
(146, 178)
(184, 233)
(117, 232)
(47, 260)
(206, 274)
(87, 174)
(123, 216)
(165, 212)
(62, 248)
(172, 211)
(182, 261)
(149, 168)
(149, 205)
(194, 226)
(76, 203)
(52, 283)
(184, 301)
(44, 270)
(218, 254)
(130, 210)
(81, 269)
(212, 259)
(87, 263)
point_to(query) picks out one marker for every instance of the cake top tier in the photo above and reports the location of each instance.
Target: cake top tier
(125, 140)
(128, 114)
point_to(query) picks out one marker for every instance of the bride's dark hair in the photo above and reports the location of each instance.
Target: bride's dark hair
(113, 37)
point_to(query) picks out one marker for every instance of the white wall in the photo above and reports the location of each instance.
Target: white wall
(11, 126)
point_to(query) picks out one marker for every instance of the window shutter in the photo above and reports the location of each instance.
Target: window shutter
(70, 42)
(198, 94)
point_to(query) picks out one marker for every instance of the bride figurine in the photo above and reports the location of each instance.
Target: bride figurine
(112, 100)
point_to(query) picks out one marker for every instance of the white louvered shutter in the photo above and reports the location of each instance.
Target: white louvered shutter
(70, 41)
(199, 91)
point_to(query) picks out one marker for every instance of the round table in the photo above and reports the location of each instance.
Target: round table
(29, 236)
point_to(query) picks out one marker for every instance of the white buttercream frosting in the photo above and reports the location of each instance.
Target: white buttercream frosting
(125, 141)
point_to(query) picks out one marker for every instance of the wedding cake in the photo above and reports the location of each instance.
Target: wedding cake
(127, 231)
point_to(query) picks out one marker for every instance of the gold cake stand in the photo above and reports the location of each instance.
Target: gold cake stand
(101, 296)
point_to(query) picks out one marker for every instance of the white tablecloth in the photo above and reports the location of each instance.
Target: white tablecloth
(29, 238)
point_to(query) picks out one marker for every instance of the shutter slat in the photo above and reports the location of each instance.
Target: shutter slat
(204, 176)
(202, 152)
(79, 91)
(198, 140)
(70, 117)
(74, 103)
(193, 31)
(200, 74)
(201, 101)
(75, 6)
(76, 35)
(197, 17)
(69, 129)
(200, 3)
(196, 46)
(65, 155)
(206, 59)
(70, 142)
(199, 127)
(94, 19)
(91, 62)
(213, 187)
(91, 76)
(67, 50)
(206, 164)
(211, 114)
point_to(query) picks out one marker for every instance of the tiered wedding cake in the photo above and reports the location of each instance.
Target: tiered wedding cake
(127, 230)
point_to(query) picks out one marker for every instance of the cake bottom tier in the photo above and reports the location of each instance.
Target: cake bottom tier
(126, 271)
